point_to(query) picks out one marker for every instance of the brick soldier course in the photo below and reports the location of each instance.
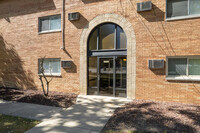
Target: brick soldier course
(149, 36)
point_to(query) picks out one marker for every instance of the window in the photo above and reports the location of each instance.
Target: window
(107, 36)
(182, 8)
(51, 66)
(194, 66)
(183, 68)
(177, 66)
(50, 23)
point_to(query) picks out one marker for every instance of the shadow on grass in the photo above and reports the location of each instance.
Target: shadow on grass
(11, 124)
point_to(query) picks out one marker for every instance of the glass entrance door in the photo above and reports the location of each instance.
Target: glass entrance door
(107, 76)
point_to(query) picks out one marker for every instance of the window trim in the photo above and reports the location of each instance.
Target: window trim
(180, 17)
(186, 77)
(49, 74)
(48, 31)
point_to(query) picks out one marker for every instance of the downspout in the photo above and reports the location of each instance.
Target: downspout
(63, 26)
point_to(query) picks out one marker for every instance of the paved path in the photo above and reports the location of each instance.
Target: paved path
(88, 115)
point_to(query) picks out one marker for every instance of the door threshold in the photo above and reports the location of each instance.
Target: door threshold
(107, 97)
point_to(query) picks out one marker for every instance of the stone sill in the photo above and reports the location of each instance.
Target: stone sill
(183, 78)
(51, 31)
(51, 75)
(183, 17)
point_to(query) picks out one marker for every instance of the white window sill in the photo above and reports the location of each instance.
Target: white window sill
(183, 78)
(51, 75)
(183, 17)
(50, 31)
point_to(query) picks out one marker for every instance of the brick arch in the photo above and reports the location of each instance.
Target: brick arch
(131, 50)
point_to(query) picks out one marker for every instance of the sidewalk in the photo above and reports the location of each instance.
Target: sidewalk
(88, 115)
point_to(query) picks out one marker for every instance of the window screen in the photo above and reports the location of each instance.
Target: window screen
(177, 66)
(50, 23)
(51, 66)
(177, 8)
(55, 22)
(194, 6)
(44, 24)
(194, 66)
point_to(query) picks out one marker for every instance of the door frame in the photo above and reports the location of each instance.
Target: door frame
(114, 57)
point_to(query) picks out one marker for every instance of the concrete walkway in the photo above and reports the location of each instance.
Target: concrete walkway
(88, 115)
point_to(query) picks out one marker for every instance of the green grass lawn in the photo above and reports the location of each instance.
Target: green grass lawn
(11, 124)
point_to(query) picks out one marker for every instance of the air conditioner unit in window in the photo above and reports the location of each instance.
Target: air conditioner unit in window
(144, 6)
(156, 64)
(66, 64)
(73, 16)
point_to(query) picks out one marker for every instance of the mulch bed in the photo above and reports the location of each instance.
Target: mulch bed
(150, 116)
(57, 99)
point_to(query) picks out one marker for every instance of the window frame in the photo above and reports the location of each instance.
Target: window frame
(48, 31)
(180, 17)
(49, 74)
(186, 77)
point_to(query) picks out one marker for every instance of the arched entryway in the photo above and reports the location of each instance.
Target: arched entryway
(107, 61)
(126, 26)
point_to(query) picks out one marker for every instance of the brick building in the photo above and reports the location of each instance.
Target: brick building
(112, 49)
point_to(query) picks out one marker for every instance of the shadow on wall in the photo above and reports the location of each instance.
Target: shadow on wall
(10, 8)
(159, 71)
(73, 69)
(91, 1)
(12, 73)
(153, 16)
(80, 24)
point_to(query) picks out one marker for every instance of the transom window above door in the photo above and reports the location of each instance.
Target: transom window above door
(107, 36)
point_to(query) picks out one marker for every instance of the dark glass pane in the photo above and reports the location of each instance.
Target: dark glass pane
(106, 76)
(44, 24)
(92, 86)
(194, 6)
(93, 40)
(121, 72)
(55, 22)
(177, 8)
(107, 36)
(194, 66)
(177, 66)
(121, 39)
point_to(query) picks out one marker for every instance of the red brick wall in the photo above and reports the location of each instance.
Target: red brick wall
(21, 45)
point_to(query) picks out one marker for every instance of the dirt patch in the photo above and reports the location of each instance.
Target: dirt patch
(57, 99)
(150, 116)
